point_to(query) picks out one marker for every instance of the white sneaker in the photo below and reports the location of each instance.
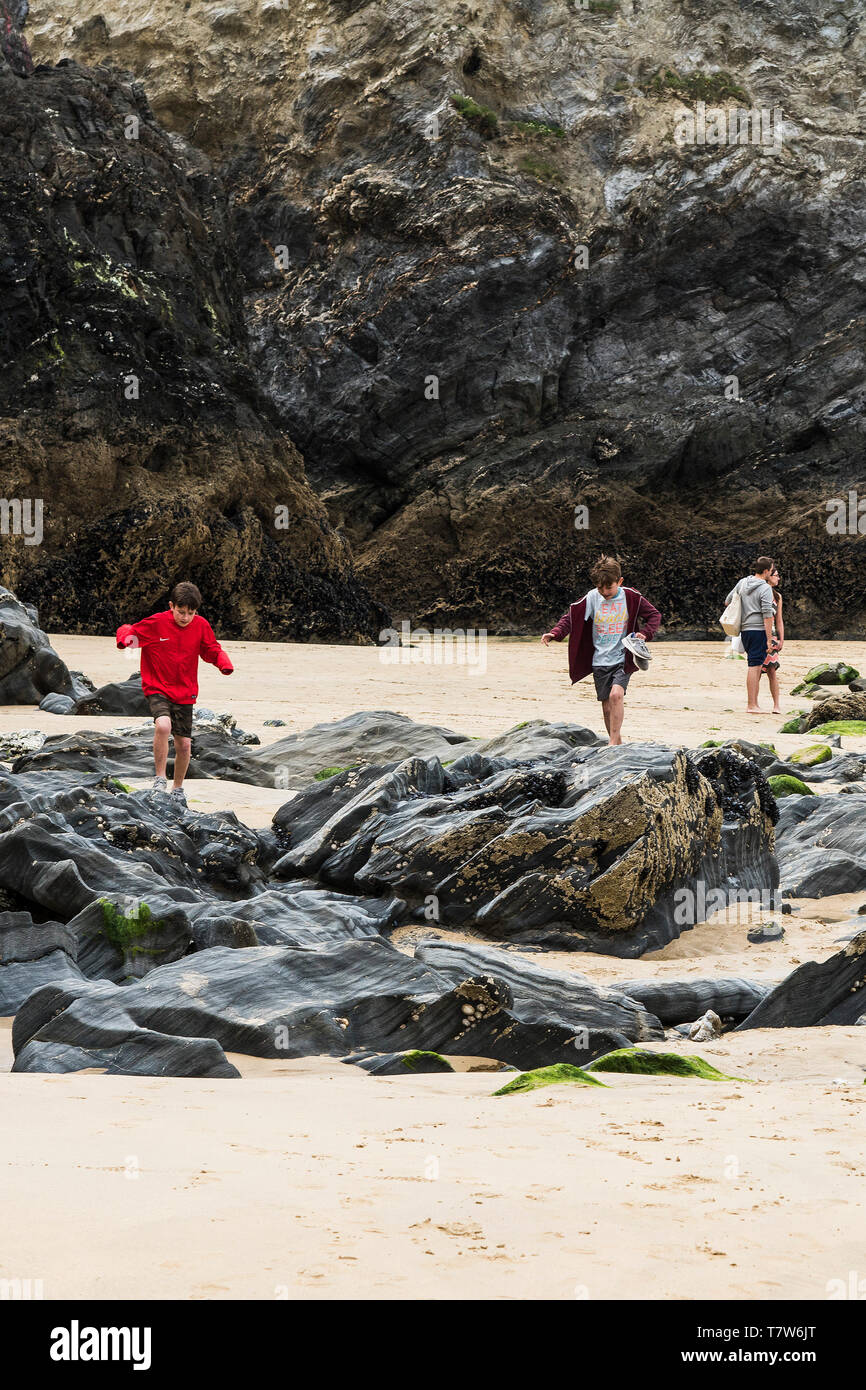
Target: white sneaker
(638, 648)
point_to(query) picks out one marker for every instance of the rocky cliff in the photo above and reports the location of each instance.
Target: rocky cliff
(531, 278)
(136, 447)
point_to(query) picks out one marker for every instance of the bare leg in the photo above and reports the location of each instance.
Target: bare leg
(753, 678)
(773, 678)
(616, 709)
(182, 747)
(605, 709)
(161, 731)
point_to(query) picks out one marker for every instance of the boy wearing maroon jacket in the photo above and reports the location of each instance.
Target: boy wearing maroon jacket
(595, 627)
(171, 644)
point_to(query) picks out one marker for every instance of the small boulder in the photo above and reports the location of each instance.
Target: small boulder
(57, 704)
(813, 755)
(118, 697)
(706, 1028)
(796, 724)
(836, 673)
(769, 931)
(840, 706)
(788, 786)
(399, 1063)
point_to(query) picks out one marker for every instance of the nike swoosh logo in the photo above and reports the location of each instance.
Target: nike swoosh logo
(163, 639)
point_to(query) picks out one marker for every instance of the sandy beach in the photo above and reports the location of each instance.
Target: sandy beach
(311, 1179)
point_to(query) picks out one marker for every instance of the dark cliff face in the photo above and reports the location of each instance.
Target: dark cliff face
(694, 377)
(14, 51)
(128, 408)
(493, 279)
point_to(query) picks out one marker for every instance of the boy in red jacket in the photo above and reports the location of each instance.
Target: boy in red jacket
(595, 627)
(171, 644)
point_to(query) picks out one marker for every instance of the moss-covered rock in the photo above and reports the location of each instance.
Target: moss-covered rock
(854, 728)
(827, 673)
(420, 1060)
(784, 785)
(128, 931)
(806, 688)
(559, 1073)
(847, 705)
(813, 755)
(795, 724)
(640, 1062)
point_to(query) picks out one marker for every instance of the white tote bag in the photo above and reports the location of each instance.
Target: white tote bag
(732, 618)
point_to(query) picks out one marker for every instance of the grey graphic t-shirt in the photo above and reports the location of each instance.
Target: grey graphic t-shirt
(609, 617)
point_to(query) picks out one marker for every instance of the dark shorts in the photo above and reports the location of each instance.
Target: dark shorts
(755, 644)
(606, 676)
(180, 715)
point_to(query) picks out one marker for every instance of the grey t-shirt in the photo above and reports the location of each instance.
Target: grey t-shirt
(756, 596)
(609, 618)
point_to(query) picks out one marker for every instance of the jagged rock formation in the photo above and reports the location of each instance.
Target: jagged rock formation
(694, 378)
(544, 995)
(30, 668)
(130, 416)
(594, 849)
(145, 939)
(581, 846)
(345, 754)
(821, 844)
(816, 994)
(285, 1002)
(833, 767)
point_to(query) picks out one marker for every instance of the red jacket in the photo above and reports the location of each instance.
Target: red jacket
(169, 654)
(642, 617)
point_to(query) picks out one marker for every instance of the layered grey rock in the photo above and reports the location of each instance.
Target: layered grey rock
(821, 846)
(30, 668)
(817, 994)
(543, 994)
(585, 851)
(682, 1001)
(286, 1002)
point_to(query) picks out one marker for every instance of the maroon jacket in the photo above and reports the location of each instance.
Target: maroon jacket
(642, 617)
